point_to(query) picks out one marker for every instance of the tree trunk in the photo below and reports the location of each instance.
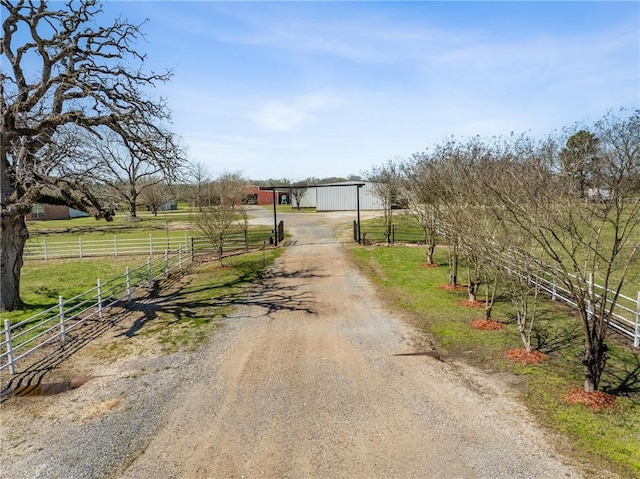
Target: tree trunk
(473, 289)
(13, 237)
(133, 212)
(430, 250)
(594, 361)
(488, 310)
(453, 265)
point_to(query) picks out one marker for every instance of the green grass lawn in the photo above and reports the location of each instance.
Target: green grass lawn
(192, 311)
(196, 309)
(42, 282)
(611, 438)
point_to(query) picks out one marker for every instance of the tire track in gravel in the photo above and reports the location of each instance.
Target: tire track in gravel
(303, 382)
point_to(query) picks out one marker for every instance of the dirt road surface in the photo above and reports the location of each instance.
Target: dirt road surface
(305, 382)
(307, 379)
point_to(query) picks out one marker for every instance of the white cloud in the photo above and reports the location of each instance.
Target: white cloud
(278, 115)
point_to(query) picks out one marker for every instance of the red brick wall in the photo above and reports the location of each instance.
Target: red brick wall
(52, 212)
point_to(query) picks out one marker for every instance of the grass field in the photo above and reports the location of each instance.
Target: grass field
(197, 308)
(611, 438)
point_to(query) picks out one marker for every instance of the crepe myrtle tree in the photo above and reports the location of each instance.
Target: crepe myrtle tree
(419, 184)
(298, 189)
(64, 72)
(387, 186)
(593, 244)
(226, 215)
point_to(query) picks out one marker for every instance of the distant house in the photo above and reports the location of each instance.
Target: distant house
(599, 194)
(44, 212)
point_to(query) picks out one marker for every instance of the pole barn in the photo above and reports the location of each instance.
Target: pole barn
(335, 197)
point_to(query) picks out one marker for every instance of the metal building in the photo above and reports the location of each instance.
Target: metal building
(340, 197)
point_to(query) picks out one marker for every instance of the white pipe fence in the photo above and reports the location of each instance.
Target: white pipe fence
(55, 323)
(40, 247)
(625, 317)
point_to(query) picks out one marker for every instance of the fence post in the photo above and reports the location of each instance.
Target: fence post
(115, 245)
(192, 251)
(80, 245)
(63, 332)
(46, 256)
(7, 334)
(99, 298)
(149, 276)
(166, 263)
(180, 255)
(128, 284)
(636, 340)
(590, 295)
(150, 244)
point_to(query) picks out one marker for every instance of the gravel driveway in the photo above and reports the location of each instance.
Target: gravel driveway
(306, 379)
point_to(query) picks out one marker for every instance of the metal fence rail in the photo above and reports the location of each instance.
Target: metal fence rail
(395, 234)
(23, 338)
(19, 340)
(43, 248)
(625, 318)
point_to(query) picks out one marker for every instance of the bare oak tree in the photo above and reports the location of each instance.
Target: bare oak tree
(198, 179)
(63, 73)
(386, 181)
(128, 170)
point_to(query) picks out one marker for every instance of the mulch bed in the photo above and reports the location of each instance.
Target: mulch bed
(471, 304)
(430, 265)
(487, 325)
(526, 357)
(596, 401)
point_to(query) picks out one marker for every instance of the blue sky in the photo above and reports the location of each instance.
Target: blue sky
(298, 89)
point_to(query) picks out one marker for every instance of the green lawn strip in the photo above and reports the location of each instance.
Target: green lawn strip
(191, 312)
(208, 297)
(608, 438)
(42, 282)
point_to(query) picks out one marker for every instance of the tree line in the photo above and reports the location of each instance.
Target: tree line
(570, 201)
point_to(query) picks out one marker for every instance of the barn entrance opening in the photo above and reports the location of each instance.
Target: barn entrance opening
(275, 189)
